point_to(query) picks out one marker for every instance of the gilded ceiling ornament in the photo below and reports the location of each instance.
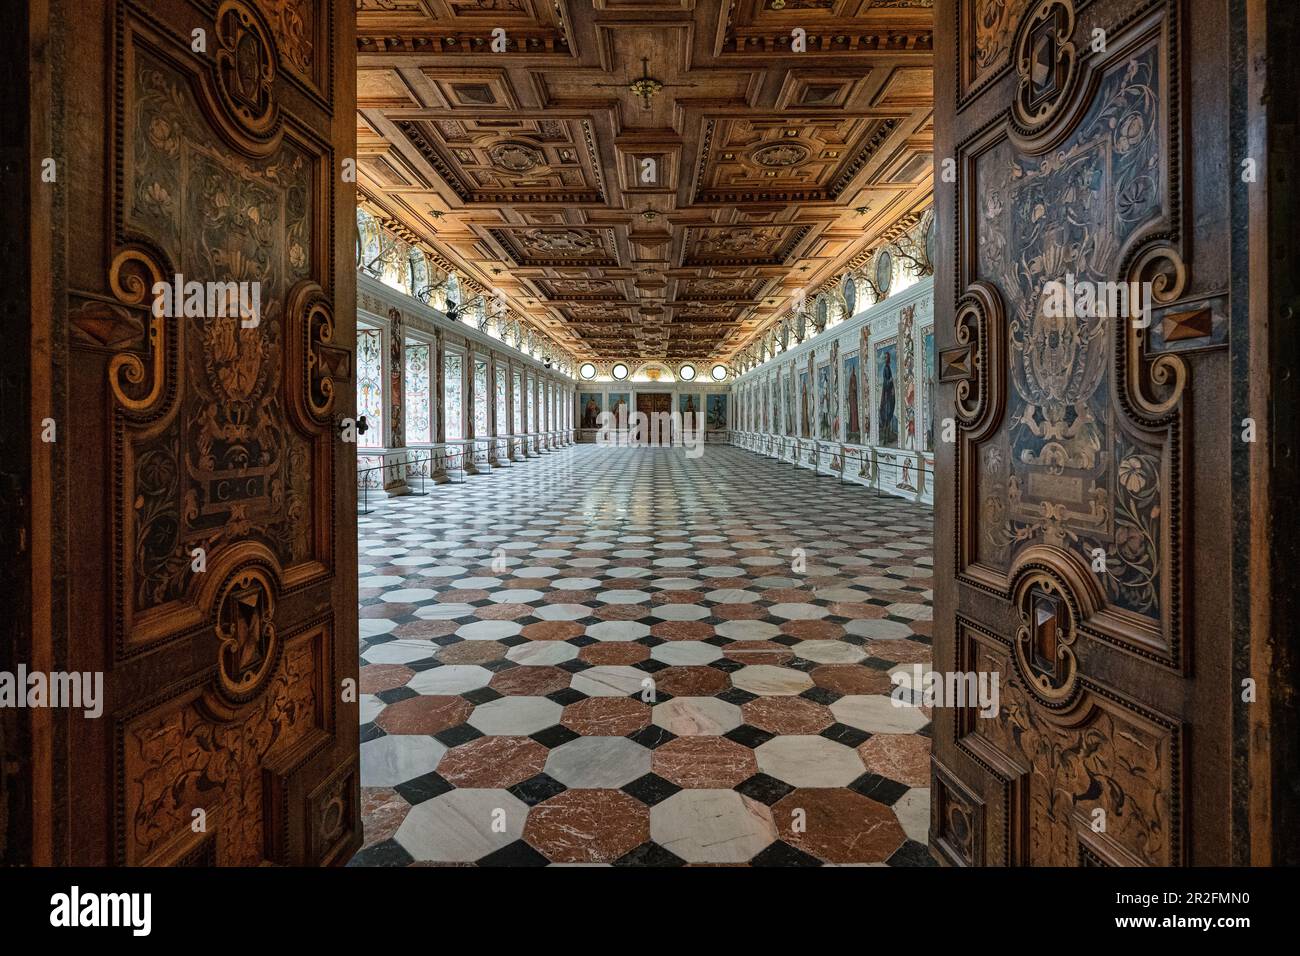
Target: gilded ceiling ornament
(513, 157)
(560, 240)
(780, 155)
(645, 86)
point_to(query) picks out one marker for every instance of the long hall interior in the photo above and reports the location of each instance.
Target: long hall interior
(645, 646)
(649, 433)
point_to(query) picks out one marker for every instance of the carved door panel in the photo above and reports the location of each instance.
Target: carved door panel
(651, 404)
(210, 563)
(1083, 467)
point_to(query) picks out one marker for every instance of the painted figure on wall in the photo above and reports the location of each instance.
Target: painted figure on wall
(906, 370)
(716, 412)
(778, 402)
(853, 429)
(833, 393)
(620, 408)
(590, 409)
(792, 403)
(927, 412)
(689, 407)
(824, 414)
(887, 407)
(804, 424)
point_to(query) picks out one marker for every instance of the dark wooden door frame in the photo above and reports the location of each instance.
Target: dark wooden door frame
(1252, 536)
(51, 814)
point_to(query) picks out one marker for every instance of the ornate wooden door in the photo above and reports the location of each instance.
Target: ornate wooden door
(207, 499)
(654, 403)
(1082, 517)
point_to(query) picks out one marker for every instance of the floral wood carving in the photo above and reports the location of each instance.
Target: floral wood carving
(201, 447)
(1101, 752)
(1055, 455)
(175, 758)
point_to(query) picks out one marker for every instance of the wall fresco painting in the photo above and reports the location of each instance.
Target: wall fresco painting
(886, 396)
(716, 412)
(592, 404)
(825, 412)
(620, 406)
(792, 403)
(907, 375)
(927, 390)
(853, 420)
(805, 412)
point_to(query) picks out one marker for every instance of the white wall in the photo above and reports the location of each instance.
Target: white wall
(903, 465)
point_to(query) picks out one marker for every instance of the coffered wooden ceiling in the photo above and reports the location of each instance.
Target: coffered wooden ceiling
(667, 226)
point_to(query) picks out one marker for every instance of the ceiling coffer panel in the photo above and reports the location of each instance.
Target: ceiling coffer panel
(646, 178)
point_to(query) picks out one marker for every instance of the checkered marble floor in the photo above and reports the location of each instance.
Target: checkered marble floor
(609, 656)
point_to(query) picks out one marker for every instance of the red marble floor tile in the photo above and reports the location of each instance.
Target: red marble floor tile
(923, 627)
(472, 652)
(691, 681)
(381, 677)
(510, 584)
(614, 652)
(682, 631)
(676, 597)
(606, 716)
(814, 583)
(704, 762)
(568, 597)
(739, 612)
(787, 715)
(386, 611)
(851, 679)
(856, 610)
(587, 826)
(788, 596)
(530, 681)
(382, 812)
(552, 630)
(493, 762)
(426, 714)
(502, 612)
(900, 652)
(837, 825)
(901, 757)
(619, 612)
(813, 630)
(369, 594)
(426, 629)
(758, 652)
(462, 595)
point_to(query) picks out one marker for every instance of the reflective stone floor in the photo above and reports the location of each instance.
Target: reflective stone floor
(631, 657)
